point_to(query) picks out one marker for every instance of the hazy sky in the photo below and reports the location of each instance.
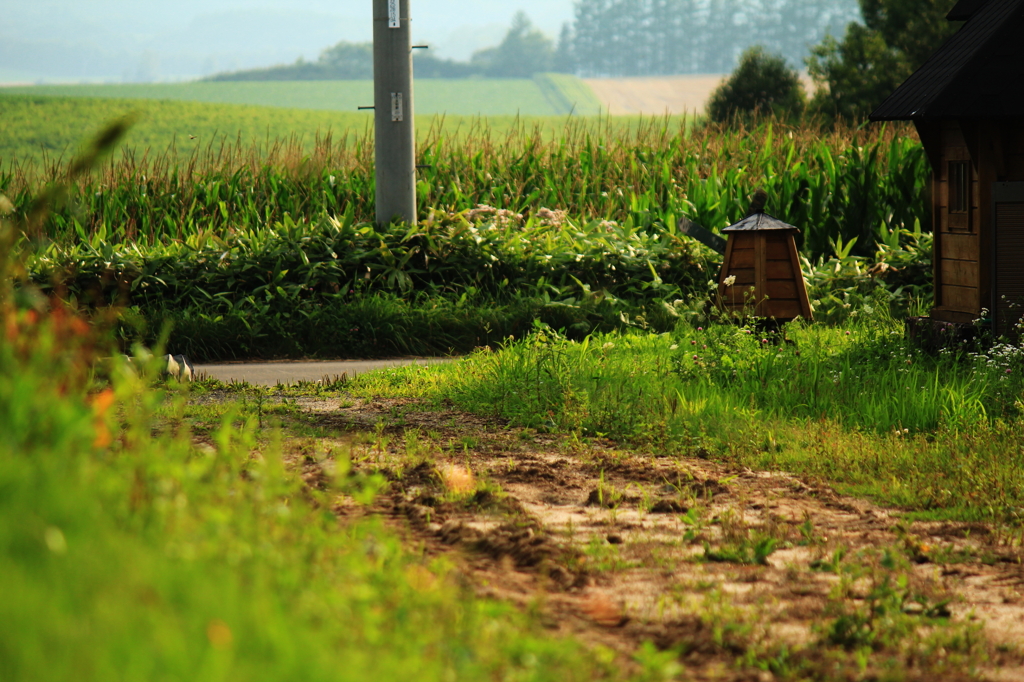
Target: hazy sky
(147, 40)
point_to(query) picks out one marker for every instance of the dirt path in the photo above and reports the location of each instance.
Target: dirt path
(290, 372)
(717, 563)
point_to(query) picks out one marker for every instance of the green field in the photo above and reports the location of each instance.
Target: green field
(37, 127)
(48, 125)
(546, 95)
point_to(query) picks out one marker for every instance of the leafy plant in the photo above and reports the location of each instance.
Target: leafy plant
(748, 550)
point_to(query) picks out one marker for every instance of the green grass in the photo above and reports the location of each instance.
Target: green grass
(857, 407)
(131, 550)
(40, 126)
(457, 97)
(569, 93)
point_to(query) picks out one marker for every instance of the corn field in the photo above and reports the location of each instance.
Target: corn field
(856, 183)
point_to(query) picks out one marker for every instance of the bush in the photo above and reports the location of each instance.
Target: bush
(762, 85)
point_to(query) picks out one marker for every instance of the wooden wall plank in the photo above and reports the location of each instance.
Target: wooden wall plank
(741, 240)
(782, 288)
(744, 276)
(960, 298)
(959, 272)
(1009, 252)
(779, 269)
(778, 249)
(741, 258)
(783, 309)
(959, 246)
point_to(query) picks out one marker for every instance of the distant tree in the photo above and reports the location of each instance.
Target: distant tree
(344, 61)
(762, 85)
(426, 65)
(524, 52)
(565, 59)
(348, 60)
(854, 75)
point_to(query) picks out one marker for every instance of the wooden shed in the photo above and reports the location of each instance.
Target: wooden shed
(967, 103)
(761, 271)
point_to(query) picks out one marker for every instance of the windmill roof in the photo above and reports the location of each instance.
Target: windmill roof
(760, 221)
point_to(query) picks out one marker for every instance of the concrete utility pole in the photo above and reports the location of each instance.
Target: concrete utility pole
(394, 147)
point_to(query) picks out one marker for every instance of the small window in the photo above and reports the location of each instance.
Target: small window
(959, 187)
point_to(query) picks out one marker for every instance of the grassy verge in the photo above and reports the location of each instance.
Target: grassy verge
(857, 407)
(569, 94)
(130, 547)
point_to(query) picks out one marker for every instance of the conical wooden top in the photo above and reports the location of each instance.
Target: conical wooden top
(760, 221)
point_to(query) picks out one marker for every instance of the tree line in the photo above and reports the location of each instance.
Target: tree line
(663, 37)
(856, 51)
(612, 38)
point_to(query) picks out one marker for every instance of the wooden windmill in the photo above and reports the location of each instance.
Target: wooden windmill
(760, 273)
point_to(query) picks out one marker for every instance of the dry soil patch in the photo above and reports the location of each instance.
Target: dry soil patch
(618, 547)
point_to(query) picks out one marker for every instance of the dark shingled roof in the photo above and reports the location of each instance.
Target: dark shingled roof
(964, 9)
(977, 73)
(760, 221)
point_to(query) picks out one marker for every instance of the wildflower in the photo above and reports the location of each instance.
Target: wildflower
(700, 329)
(1009, 371)
(608, 345)
(705, 346)
(730, 280)
(694, 357)
(553, 218)
(847, 333)
(674, 346)
(693, 343)
(764, 340)
(100, 405)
